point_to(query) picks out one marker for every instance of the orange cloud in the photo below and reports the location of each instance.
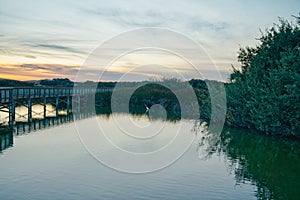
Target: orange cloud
(36, 71)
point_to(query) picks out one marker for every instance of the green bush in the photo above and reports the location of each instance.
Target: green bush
(264, 94)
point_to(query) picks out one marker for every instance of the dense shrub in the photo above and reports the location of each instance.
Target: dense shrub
(264, 94)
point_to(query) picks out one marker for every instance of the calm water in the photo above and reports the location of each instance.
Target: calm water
(54, 164)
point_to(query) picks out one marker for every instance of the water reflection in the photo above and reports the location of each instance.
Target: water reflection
(6, 138)
(37, 113)
(22, 125)
(272, 164)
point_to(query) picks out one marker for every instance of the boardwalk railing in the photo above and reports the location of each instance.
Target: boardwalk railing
(7, 94)
(12, 97)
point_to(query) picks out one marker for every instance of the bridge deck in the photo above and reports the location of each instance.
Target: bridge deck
(7, 94)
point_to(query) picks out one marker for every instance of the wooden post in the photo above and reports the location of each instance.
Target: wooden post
(68, 105)
(11, 111)
(56, 107)
(17, 128)
(34, 124)
(78, 105)
(11, 138)
(13, 115)
(29, 112)
(45, 108)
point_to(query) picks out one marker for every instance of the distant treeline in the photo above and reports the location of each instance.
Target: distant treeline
(56, 82)
(149, 93)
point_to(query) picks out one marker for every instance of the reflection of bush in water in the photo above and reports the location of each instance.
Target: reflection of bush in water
(273, 164)
(207, 143)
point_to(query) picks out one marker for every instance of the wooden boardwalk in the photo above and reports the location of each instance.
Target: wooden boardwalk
(68, 97)
(8, 94)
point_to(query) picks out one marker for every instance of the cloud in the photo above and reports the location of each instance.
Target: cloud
(150, 17)
(125, 18)
(32, 67)
(30, 56)
(38, 71)
(55, 47)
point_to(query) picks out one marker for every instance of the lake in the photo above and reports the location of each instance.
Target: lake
(69, 162)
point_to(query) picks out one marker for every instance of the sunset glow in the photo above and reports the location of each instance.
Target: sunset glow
(53, 39)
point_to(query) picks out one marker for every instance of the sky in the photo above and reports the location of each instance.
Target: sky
(54, 39)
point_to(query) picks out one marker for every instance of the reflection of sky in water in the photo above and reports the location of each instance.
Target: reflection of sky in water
(37, 113)
(52, 163)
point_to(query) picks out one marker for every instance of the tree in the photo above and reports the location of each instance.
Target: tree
(264, 94)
